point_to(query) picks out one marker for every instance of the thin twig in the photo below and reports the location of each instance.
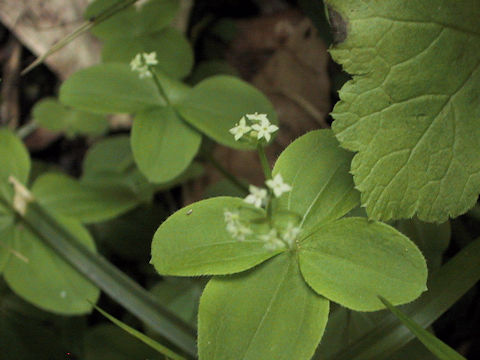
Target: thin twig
(87, 25)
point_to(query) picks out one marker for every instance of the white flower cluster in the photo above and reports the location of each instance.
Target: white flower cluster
(235, 227)
(259, 127)
(273, 240)
(258, 196)
(142, 63)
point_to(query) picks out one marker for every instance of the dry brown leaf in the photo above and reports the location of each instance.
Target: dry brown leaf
(40, 24)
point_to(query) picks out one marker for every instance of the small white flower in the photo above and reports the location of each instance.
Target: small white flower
(136, 63)
(242, 232)
(144, 72)
(257, 117)
(141, 62)
(272, 242)
(236, 229)
(150, 59)
(241, 129)
(257, 196)
(231, 216)
(290, 234)
(265, 129)
(278, 186)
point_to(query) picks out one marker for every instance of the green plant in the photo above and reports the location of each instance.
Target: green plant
(282, 258)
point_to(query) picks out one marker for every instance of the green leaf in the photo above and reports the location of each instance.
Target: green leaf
(175, 90)
(163, 145)
(84, 202)
(14, 157)
(52, 115)
(352, 261)
(6, 216)
(174, 53)
(266, 313)
(110, 162)
(129, 236)
(434, 344)
(412, 110)
(44, 279)
(195, 241)
(132, 22)
(206, 69)
(446, 286)
(108, 342)
(23, 334)
(109, 88)
(344, 326)
(431, 239)
(224, 187)
(181, 296)
(110, 155)
(109, 278)
(143, 338)
(317, 169)
(7, 236)
(413, 350)
(216, 104)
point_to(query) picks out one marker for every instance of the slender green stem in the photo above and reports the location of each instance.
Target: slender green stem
(263, 159)
(160, 88)
(228, 175)
(267, 171)
(106, 14)
(107, 277)
(27, 129)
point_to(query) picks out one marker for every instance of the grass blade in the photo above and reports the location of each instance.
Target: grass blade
(434, 344)
(446, 287)
(142, 337)
(110, 279)
(85, 26)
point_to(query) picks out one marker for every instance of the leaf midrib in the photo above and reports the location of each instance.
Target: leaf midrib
(267, 311)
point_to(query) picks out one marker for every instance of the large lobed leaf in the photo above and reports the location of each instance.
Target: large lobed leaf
(412, 110)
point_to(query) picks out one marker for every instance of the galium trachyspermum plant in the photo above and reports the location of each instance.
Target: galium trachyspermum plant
(279, 256)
